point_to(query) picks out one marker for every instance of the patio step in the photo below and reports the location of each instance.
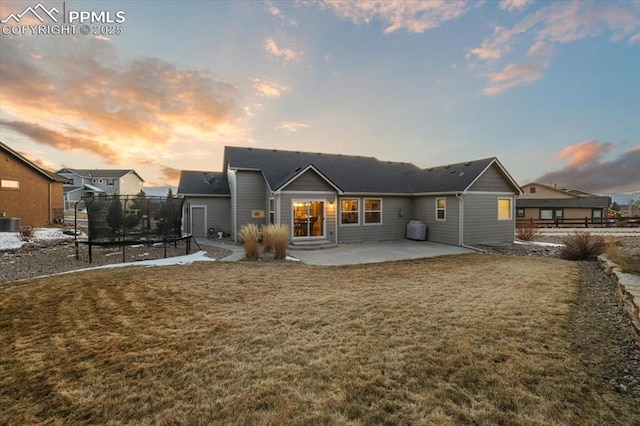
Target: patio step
(311, 245)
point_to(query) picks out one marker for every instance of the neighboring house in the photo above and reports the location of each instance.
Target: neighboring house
(99, 181)
(28, 192)
(545, 202)
(343, 198)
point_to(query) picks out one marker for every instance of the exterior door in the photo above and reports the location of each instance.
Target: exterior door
(308, 219)
(198, 221)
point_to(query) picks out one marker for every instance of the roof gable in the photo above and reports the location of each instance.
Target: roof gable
(49, 175)
(307, 173)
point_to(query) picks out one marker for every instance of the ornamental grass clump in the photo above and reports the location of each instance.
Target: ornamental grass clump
(275, 239)
(527, 231)
(582, 246)
(250, 235)
(279, 239)
(267, 238)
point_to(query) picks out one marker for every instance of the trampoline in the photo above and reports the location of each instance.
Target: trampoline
(125, 220)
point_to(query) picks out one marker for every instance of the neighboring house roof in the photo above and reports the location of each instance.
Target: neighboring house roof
(49, 175)
(68, 188)
(356, 174)
(203, 183)
(579, 192)
(565, 191)
(579, 202)
(93, 188)
(101, 173)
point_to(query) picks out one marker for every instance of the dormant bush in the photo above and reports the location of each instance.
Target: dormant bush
(527, 231)
(582, 246)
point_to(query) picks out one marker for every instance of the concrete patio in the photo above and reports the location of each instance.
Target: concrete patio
(356, 253)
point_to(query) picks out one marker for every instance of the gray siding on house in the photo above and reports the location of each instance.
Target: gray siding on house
(309, 181)
(231, 177)
(393, 225)
(447, 231)
(218, 211)
(492, 180)
(481, 222)
(286, 210)
(250, 190)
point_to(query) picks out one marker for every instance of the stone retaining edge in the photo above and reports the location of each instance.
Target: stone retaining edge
(628, 290)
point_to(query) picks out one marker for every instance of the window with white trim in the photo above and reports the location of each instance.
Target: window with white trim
(441, 209)
(505, 212)
(349, 211)
(272, 211)
(372, 211)
(9, 184)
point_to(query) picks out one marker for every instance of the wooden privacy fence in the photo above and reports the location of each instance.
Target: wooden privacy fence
(587, 222)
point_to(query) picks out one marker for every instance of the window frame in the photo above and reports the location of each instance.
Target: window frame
(350, 212)
(510, 200)
(554, 213)
(4, 184)
(364, 209)
(520, 212)
(272, 210)
(442, 209)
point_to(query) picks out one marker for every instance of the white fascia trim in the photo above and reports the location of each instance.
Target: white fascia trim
(376, 194)
(434, 194)
(510, 194)
(204, 195)
(303, 171)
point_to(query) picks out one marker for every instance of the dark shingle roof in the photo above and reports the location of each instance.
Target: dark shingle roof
(349, 173)
(449, 178)
(581, 202)
(203, 183)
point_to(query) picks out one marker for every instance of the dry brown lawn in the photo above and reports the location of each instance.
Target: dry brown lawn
(470, 339)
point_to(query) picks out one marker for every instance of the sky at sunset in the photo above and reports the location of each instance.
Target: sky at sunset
(550, 88)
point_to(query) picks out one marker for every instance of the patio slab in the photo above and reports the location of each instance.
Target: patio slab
(375, 251)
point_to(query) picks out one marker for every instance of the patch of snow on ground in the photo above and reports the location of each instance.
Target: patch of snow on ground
(291, 259)
(12, 240)
(538, 243)
(200, 256)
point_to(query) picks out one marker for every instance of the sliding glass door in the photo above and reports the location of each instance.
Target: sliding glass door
(308, 219)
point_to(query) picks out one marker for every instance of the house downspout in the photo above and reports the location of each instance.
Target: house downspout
(461, 224)
(50, 205)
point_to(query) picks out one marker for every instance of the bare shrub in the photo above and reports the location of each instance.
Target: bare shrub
(527, 231)
(25, 232)
(582, 246)
(279, 240)
(250, 235)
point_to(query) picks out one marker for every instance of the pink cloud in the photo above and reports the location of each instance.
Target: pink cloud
(587, 169)
(584, 152)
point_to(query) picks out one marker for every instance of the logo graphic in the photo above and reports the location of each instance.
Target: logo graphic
(34, 11)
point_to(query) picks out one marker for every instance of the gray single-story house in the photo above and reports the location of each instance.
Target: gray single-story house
(345, 198)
